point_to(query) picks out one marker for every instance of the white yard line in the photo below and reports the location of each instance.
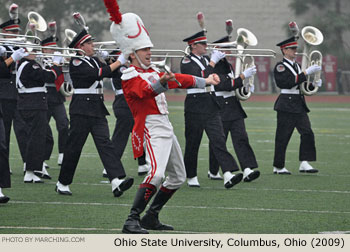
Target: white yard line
(188, 207)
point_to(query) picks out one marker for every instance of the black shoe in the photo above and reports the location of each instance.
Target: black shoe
(151, 222)
(104, 175)
(4, 199)
(132, 226)
(125, 185)
(63, 192)
(234, 180)
(252, 176)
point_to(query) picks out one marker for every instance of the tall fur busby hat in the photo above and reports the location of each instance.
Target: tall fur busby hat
(127, 30)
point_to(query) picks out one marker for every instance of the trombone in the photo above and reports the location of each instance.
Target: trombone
(160, 53)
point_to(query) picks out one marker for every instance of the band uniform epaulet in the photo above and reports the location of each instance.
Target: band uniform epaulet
(129, 73)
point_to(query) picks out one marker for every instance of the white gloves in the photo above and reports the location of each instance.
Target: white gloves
(2, 51)
(217, 55)
(317, 83)
(122, 59)
(249, 72)
(103, 54)
(19, 54)
(312, 69)
(58, 59)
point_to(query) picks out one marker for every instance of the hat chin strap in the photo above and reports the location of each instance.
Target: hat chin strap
(141, 64)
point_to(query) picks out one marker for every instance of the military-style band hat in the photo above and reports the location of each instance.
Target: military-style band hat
(50, 41)
(80, 39)
(289, 43)
(222, 40)
(199, 37)
(11, 25)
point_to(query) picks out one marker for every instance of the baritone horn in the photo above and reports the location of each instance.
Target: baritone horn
(66, 88)
(35, 23)
(245, 38)
(312, 37)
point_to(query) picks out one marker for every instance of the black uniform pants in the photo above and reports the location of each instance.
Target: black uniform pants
(122, 130)
(5, 179)
(36, 121)
(286, 122)
(80, 127)
(58, 112)
(195, 125)
(240, 141)
(11, 114)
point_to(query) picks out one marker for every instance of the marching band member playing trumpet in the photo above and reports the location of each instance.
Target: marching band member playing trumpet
(232, 117)
(292, 109)
(144, 88)
(5, 179)
(202, 114)
(32, 105)
(88, 115)
(55, 101)
(8, 91)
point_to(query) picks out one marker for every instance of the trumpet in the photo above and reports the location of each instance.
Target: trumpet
(312, 37)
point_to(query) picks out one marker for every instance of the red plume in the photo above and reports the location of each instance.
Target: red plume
(113, 10)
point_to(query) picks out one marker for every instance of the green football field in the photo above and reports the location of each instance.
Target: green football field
(279, 204)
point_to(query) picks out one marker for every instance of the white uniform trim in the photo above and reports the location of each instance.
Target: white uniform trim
(294, 89)
(200, 90)
(225, 94)
(21, 88)
(91, 90)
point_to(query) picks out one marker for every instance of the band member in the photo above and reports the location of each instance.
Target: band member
(202, 114)
(5, 180)
(88, 115)
(232, 117)
(125, 121)
(32, 105)
(8, 91)
(292, 109)
(55, 101)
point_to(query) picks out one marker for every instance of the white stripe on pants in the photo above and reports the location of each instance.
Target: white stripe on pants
(163, 153)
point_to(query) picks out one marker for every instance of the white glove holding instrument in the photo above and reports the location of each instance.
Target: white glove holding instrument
(122, 59)
(2, 51)
(216, 56)
(19, 54)
(58, 59)
(312, 69)
(249, 72)
(103, 54)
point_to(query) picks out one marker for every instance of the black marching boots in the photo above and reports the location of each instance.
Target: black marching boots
(150, 219)
(143, 196)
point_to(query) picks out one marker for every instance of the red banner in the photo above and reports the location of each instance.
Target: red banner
(329, 69)
(263, 69)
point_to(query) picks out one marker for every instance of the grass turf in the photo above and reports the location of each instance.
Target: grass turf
(299, 203)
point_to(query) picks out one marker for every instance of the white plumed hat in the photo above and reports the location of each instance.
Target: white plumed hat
(127, 30)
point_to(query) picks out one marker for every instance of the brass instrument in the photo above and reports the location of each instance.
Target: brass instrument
(312, 37)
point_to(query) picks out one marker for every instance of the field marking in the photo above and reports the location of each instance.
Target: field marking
(334, 232)
(188, 207)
